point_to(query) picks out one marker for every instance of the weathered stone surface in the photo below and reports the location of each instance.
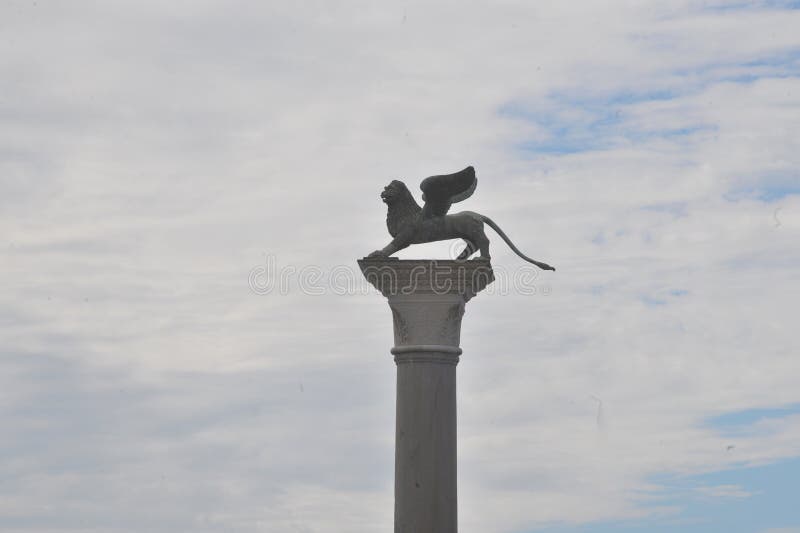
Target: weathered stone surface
(425, 481)
(427, 299)
(395, 277)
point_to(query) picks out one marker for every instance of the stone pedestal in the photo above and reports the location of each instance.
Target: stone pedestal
(427, 300)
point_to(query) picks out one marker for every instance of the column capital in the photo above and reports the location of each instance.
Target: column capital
(427, 299)
(418, 278)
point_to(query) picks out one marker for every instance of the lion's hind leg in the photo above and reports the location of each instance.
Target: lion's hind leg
(466, 252)
(483, 244)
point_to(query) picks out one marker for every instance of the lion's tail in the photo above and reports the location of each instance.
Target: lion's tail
(491, 223)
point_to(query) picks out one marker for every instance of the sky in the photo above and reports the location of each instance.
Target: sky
(186, 343)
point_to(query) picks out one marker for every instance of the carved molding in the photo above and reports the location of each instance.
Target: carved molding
(427, 299)
(400, 326)
(394, 277)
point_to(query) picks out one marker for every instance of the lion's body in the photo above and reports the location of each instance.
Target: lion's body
(465, 225)
(408, 224)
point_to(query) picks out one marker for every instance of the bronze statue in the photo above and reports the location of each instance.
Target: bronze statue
(409, 224)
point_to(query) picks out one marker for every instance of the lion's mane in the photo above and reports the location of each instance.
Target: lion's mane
(403, 209)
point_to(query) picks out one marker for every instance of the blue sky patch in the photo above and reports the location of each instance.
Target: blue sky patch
(573, 124)
(768, 193)
(742, 419)
(576, 120)
(652, 301)
(751, 6)
(743, 500)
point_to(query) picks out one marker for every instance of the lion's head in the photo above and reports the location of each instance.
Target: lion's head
(403, 209)
(394, 192)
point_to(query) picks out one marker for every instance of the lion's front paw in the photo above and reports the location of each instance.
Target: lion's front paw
(376, 254)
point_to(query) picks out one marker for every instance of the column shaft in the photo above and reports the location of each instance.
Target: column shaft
(425, 452)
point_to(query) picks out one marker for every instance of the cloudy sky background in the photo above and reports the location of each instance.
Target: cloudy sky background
(153, 154)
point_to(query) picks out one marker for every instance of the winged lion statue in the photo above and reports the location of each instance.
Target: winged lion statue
(408, 223)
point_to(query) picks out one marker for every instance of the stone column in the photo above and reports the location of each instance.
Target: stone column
(427, 300)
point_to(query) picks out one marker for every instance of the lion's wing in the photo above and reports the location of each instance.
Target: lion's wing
(439, 192)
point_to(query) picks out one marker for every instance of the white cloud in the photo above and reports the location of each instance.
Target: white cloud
(724, 491)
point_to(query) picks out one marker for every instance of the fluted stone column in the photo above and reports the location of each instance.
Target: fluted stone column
(427, 300)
